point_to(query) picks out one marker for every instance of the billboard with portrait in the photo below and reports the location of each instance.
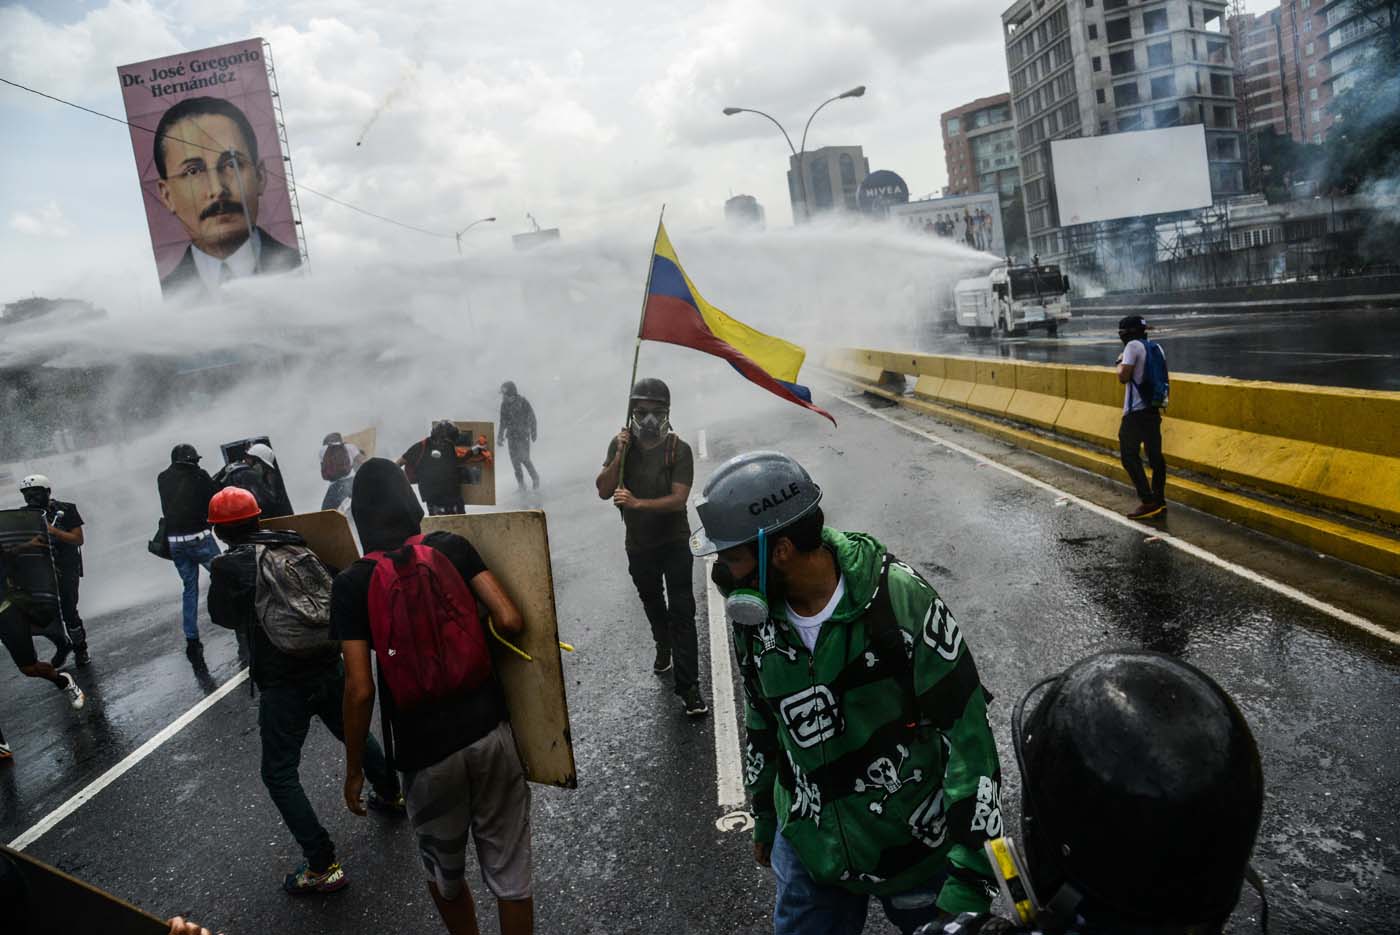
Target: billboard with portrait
(971, 220)
(211, 165)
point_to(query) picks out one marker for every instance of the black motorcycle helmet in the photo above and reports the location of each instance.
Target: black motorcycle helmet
(1132, 326)
(1142, 793)
(652, 390)
(184, 454)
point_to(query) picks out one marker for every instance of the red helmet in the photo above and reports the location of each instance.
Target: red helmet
(233, 505)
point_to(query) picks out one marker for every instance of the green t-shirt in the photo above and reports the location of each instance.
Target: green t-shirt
(649, 477)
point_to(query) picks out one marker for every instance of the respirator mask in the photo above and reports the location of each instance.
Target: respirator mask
(745, 604)
(651, 425)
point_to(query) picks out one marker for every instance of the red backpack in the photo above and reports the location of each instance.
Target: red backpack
(425, 628)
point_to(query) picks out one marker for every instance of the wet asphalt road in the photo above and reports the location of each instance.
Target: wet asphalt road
(1329, 347)
(1035, 585)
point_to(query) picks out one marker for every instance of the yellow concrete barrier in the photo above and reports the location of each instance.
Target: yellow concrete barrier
(1325, 447)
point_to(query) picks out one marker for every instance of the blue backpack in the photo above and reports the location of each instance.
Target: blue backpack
(1155, 388)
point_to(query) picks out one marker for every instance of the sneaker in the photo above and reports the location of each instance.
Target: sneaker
(76, 698)
(81, 657)
(694, 704)
(60, 657)
(388, 805)
(5, 752)
(305, 880)
(1148, 510)
(663, 660)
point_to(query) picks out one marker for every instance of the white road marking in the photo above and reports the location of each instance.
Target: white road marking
(702, 446)
(1322, 354)
(47, 823)
(729, 780)
(1278, 587)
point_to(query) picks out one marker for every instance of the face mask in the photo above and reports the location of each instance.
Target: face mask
(745, 605)
(37, 498)
(649, 425)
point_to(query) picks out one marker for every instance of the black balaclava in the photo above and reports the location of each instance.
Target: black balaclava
(36, 497)
(508, 388)
(384, 507)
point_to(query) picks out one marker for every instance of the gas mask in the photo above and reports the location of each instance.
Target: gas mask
(651, 425)
(746, 601)
(36, 497)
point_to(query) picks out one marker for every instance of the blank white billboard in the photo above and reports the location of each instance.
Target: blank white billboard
(1122, 175)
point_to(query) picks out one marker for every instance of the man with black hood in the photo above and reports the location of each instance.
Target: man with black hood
(185, 491)
(518, 431)
(461, 772)
(296, 682)
(432, 464)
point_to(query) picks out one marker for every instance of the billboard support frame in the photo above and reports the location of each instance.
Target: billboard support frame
(286, 154)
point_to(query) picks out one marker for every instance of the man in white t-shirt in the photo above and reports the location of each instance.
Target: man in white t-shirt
(1142, 423)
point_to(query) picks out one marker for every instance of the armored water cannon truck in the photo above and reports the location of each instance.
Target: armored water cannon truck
(1010, 300)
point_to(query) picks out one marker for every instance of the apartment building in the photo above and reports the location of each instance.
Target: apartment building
(1283, 54)
(1093, 67)
(979, 147)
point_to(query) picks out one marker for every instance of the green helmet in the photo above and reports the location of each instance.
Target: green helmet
(759, 491)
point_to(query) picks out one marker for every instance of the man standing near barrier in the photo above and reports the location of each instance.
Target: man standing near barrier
(1142, 368)
(870, 761)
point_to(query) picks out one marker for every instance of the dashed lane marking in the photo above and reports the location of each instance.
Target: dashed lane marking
(1278, 587)
(49, 821)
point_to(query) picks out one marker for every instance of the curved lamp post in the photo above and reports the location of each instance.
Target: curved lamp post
(467, 228)
(798, 154)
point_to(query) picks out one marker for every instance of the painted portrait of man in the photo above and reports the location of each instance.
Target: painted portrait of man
(211, 178)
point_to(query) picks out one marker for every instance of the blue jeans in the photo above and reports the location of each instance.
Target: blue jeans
(806, 907)
(188, 556)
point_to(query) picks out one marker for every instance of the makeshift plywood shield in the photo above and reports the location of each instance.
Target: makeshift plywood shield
(515, 546)
(480, 467)
(58, 904)
(364, 440)
(327, 533)
(28, 579)
(237, 451)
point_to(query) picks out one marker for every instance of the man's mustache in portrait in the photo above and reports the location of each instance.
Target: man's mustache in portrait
(221, 207)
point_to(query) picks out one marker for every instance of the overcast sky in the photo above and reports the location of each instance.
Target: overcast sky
(587, 116)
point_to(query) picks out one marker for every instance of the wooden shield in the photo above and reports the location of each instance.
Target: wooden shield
(515, 546)
(327, 533)
(484, 493)
(60, 904)
(364, 440)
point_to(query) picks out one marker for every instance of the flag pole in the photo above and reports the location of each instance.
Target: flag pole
(637, 350)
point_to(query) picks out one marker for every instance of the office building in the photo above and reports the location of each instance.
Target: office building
(833, 175)
(743, 212)
(979, 147)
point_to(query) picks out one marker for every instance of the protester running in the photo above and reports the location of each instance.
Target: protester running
(185, 491)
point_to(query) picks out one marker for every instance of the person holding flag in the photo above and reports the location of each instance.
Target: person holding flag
(647, 474)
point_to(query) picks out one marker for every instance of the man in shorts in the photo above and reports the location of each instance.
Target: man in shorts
(461, 772)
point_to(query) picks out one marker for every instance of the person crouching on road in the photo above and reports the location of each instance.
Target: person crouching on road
(432, 464)
(20, 621)
(185, 491)
(66, 544)
(1141, 797)
(870, 762)
(450, 735)
(647, 473)
(270, 586)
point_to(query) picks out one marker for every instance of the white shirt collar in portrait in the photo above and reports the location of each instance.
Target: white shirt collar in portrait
(243, 262)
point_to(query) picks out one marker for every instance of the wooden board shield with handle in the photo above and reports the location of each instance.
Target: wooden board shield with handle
(55, 903)
(327, 533)
(484, 492)
(515, 547)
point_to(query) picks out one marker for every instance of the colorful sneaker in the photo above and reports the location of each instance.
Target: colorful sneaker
(387, 805)
(5, 752)
(76, 698)
(305, 880)
(694, 705)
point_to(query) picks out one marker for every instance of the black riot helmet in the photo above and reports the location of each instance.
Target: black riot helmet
(652, 390)
(184, 454)
(1142, 794)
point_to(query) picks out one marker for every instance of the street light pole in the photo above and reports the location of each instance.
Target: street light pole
(799, 154)
(467, 228)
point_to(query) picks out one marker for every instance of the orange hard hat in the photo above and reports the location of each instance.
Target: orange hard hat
(233, 505)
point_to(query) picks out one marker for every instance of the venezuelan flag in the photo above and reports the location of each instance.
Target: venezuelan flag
(677, 314)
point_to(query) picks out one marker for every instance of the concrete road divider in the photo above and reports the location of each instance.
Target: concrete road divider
(1323, 448)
